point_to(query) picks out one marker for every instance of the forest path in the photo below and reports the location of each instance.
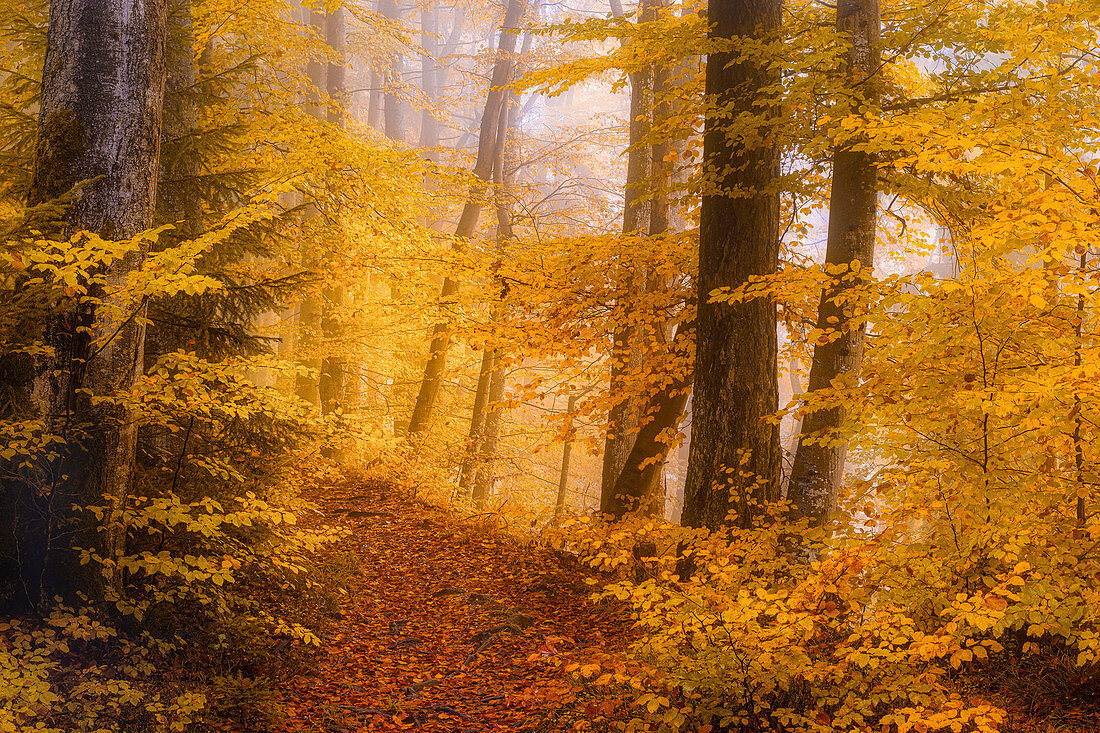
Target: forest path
(446, 626)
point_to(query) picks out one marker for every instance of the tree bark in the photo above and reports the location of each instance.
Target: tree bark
(853, 206)
(639, 485)
(626, 357)
(477, 420)
(566, 452)
(429, 77)
(331, 384)
(311, 309)
(735, 454)
(100, 118)
(495, 101)
(394, 109)
(490, 360)
(483, 481)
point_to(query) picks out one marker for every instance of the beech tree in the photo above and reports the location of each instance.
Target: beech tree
(853, 207)
(626, 348)
(99, 128)
(735, 453)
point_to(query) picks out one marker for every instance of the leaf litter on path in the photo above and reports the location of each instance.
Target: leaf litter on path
(444, 628)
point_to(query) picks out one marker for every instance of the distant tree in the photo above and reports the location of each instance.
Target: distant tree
(495, 100)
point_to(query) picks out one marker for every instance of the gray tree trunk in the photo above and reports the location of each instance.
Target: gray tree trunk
(477, 420)
(311, 308)
(566, 453)
(734, 458)
(331, 385)
(394, 109)
(853, 207)
(100, 118)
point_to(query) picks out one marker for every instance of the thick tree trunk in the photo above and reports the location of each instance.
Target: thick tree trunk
(640, 484)
(331, 385)
(626, 356)
(735, 454)
(853, 206)
(101, 111)
(495, 102)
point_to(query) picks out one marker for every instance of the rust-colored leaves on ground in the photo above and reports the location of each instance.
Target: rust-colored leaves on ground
(446, 627)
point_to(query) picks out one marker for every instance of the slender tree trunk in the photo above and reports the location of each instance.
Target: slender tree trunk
(495, 101)
(735, 454)
(477, 420)
(375, 102)
(331, 385)
(429, 77)
(640, 484)
(566, 451)
(311, 309)
(626, 356)
(853, 206)
(395, 111)
(484, 479)
(100, 118)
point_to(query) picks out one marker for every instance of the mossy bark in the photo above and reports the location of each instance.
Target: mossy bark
(100, 126)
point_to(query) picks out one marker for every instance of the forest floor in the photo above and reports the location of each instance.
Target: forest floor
(448, 625)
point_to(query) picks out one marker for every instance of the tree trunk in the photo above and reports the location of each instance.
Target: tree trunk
(331, 385)
(626, 357)
(735, 455)
(471, 212)
(429, 77)
(566, 451)
(490, 362)
(311, 309)
(394, 109)
(853, 206)
(100, 118)
(484, 479)
(640, 484)
(477, 420)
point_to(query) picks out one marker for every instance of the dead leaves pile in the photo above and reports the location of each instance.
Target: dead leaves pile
(446, 627)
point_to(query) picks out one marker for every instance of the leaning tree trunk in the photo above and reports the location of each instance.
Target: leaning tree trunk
(471, 212)
(100, 121)
(639, 485)
(622, 417)
(853, 206)
(483, 481)
(735, 453)
(477, 420)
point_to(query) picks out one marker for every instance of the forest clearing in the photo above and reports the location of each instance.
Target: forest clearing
(703, 366)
